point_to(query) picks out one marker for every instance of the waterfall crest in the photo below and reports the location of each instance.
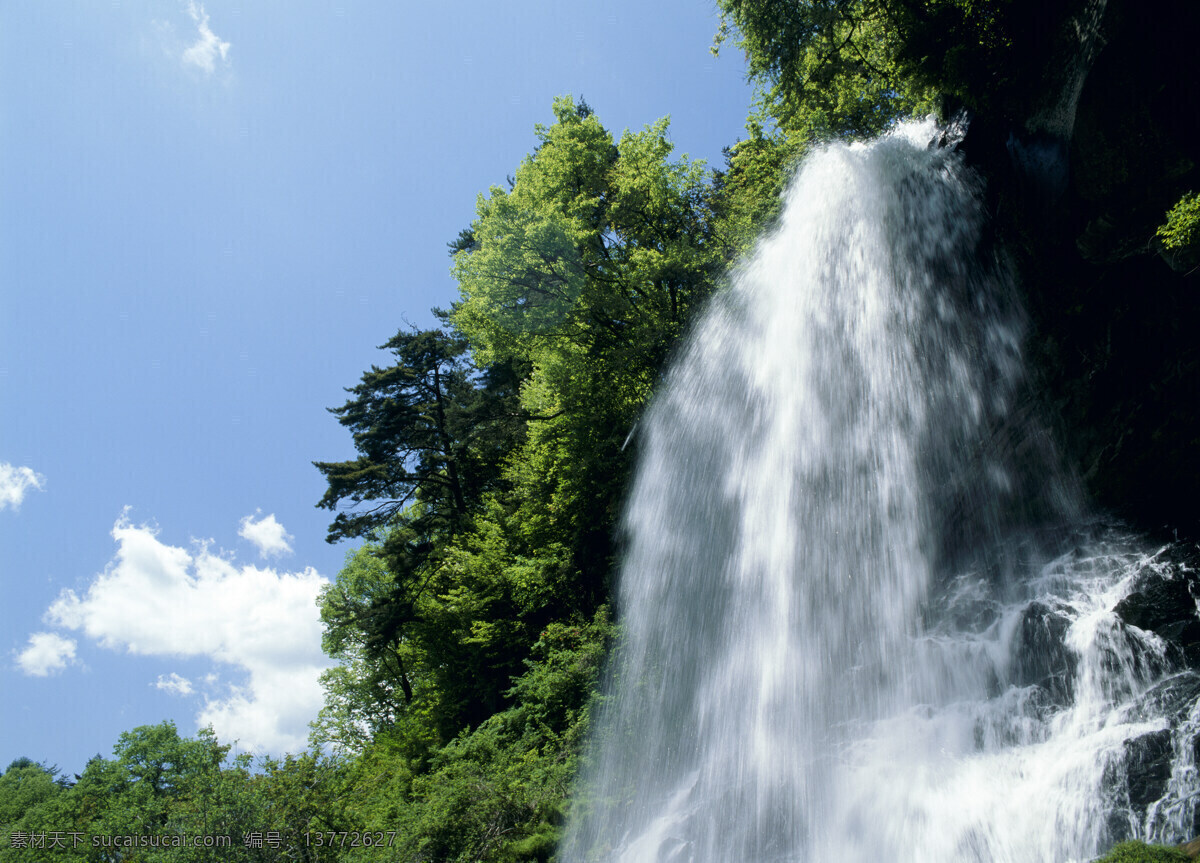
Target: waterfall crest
(836, 580)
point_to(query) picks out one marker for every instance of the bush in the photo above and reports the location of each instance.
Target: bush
(1140, 852)
(1182, 228)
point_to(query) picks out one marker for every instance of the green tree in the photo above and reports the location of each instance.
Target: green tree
(407, 425)
(24, 786)
(305, 797)
(828, 67)
(587, 271)
(748, 193)
(496, 792)
(852, 67)
(432, 430)
(157, 785)
(468, 628)
(492, 455)
(598, 245)
(373, 682)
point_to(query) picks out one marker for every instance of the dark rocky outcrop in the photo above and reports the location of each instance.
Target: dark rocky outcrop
(1147, 767)
(1040, 655)
(1137, 781)
(1171, 698)
(1163, 601)
(1142, 776)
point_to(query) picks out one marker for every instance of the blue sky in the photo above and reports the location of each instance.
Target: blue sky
(210, 216)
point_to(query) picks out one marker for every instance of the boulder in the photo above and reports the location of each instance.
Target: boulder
(1040, 656)
(1163, 601)
(1147, 767)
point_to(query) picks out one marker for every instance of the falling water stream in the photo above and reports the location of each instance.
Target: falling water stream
(861, 618)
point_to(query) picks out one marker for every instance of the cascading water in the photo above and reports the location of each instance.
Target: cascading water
(841, 639)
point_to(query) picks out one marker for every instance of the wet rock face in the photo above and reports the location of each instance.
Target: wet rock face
(1171, 698)
(1163, 601)
(1137, 781)
(1148, 767)
(1146, 649)
(1040, 655)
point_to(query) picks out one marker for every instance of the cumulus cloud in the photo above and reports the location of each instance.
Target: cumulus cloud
(46, 652)
(174, 684)
(204, 52)
(266, 533)
(156, 599)
(14, 482)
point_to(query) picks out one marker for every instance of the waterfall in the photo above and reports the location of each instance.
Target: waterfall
(860, 617)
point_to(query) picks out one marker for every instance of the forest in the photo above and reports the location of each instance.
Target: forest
(473, 620)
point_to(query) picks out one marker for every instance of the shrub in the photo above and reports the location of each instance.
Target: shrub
(1140, 852)
(1182, 228)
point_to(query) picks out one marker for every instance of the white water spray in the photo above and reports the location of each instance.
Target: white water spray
(826, 642)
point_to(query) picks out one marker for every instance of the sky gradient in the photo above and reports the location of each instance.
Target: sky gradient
(210, 217)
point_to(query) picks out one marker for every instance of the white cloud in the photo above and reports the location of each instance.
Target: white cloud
(14, 482)
(156, 599)
(174, 684)
(46, 652)
(267, 534)
(203, 53)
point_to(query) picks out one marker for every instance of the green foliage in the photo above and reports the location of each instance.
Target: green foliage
(492, 454)
(852, 67)
(747, 195)
(600, 245)
(162, 792)
(431, 430)
(585, 272)
(964, 48)
(524, 272)
(24, 786)
(1181, 231)
(497, 792)
(1140, 852)
(826, 67)
(306, 793)
(422, 428)
(373, 681)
